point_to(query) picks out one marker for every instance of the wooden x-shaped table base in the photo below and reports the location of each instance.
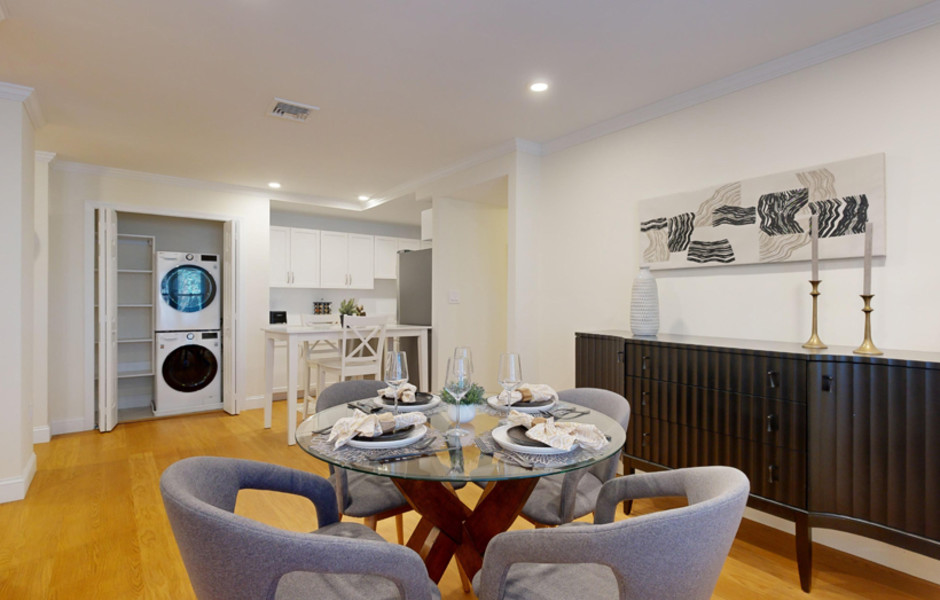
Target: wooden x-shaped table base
(462, 531)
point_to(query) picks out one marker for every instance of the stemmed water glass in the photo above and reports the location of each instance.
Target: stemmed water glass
(510, 373)
(464, 353)
(396, 373)
(457, 385)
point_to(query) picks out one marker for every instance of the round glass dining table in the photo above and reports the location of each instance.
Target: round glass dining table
(426, 481)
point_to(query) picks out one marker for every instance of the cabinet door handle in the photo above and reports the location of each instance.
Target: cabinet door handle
(643, 397)
(772, 423)
(643, 440)
(828, 383)
(644, 363)
(772, 379)
(773, 475)
(620, 356)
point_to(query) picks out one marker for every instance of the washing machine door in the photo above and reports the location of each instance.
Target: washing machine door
(190, 368)
(188, 288)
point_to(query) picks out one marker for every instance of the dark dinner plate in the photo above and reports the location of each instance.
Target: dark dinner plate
(517, 436)
(398, 434)
(421, 398)
(536, 404)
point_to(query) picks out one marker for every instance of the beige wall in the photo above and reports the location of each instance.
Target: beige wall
(17, 247)
(470, 257)
(882, 99)
(73, 191)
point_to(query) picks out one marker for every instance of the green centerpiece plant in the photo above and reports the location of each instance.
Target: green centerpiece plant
(349, 307)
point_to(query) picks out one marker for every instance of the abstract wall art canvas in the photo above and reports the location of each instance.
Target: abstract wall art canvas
(767, 219)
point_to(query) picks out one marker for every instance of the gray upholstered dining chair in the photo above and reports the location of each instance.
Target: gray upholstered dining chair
(677, 553)
(231, 557)
(559, 499)
(370, 497)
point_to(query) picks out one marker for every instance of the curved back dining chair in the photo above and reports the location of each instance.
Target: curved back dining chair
(559, 499)
(231, 557)
(370, 497)
(676, 553)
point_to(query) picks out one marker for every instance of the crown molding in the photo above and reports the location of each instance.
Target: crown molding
(492, 153)
(45, 157)
(11, 91)
(87, 169)
(859, 39)
(34, 112)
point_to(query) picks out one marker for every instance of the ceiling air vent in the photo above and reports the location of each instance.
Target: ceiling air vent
(295, 111)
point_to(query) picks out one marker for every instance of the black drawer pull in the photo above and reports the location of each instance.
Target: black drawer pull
(827, 383)
(620, 356)
(772, 423)
(644, 363)
(772, 379)
(772, 474)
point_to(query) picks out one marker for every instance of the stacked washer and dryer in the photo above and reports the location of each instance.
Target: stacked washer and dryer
(188, 336)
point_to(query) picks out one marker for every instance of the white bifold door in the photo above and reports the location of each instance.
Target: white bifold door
(106, 318)
(106, 310)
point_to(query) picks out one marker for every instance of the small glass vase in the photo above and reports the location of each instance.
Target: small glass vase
(461, 413)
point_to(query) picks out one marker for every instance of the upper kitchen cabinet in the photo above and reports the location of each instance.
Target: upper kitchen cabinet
(347, 260)
(386, 255)
(295, 257)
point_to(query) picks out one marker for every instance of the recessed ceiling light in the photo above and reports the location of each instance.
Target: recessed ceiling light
(363, 197)
(538, 86)
(274, 185)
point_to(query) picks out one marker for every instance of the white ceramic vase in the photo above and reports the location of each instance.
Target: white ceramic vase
(461, 413)
(644, 304)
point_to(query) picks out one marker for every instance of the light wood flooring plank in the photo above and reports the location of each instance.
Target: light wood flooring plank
(93, 524)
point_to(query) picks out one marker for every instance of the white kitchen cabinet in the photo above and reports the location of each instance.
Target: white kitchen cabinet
(426, 244)
(295, 257)
(386, 257)
(347, 260)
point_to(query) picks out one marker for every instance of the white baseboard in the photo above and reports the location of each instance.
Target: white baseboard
(68, 426)
(41, 434)
(14, 488)
(899, 559)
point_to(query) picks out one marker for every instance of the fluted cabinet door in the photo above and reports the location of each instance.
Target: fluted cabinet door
(599, 363)
(874, 439)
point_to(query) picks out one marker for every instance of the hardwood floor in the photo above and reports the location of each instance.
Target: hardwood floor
(93, 524)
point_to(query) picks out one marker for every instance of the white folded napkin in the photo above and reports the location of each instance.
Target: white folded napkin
(406, 394)
(563, 435)
(371, 425)
(527, 392)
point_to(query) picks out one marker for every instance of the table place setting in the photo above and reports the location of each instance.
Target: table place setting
(409, 399)
(379, 438)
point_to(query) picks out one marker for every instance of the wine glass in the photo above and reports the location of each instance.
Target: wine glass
(457, 385)
(510, 373)
(464, 353)
(396, 373)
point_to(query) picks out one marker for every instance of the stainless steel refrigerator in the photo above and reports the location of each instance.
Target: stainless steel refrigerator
(414, 302)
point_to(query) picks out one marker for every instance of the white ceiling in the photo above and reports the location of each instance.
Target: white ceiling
(405, 87)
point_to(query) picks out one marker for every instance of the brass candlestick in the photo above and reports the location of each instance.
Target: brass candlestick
(868, 346)
(814, 342)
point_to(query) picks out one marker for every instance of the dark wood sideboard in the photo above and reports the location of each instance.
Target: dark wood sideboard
(828, 438)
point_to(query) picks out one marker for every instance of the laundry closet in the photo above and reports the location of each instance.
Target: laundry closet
(164, 282)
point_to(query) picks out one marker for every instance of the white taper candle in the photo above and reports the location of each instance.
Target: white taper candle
(814, 237)
(869, 228)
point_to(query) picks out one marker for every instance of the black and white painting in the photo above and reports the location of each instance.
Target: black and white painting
(767, 219)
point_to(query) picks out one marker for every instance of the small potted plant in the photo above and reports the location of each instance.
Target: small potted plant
(466, 409)
(349, 307)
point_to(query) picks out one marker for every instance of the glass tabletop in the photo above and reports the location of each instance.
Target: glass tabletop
(461, 460)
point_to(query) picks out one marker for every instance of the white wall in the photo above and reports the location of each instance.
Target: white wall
(882, 99)
(76, 187)
(175, 234)
(41, 431)
(17, 247)
(470, 258)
